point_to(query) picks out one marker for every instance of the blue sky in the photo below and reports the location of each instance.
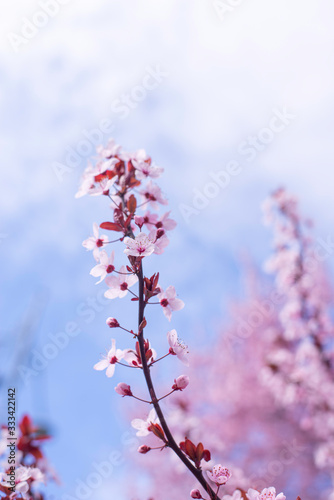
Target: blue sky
(221, 82)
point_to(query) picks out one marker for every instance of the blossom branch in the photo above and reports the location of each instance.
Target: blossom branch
(146, 370)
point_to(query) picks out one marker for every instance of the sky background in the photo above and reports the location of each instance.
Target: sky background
(223, 78)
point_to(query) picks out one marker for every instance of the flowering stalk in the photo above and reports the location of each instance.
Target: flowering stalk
(170, 441)
(118, 175)
(300, 368)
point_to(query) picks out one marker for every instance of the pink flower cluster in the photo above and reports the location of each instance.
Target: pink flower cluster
(300, 366)
(127, 180)
(247, 393)
(120, 177)
(29, 467)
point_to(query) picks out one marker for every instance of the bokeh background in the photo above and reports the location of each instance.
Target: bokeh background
(223, 74)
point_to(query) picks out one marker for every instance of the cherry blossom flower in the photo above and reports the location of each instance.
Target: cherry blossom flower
(219, 475)
(140, 246)
(102, 187)
(152, 193)
(160, 240)
(177, 347)
(144, 170)
(22, 475)
(109, 361)
(142, 426)
(112, 149)
(102, 166)
(161, 244)
(119, 285)
(150, 219)
(37, 476)
(105, 267)
(169, 302)
(123, 389)
(140, 156)
(95, 242)
(180, 383)
(266, 494)
(166, 223)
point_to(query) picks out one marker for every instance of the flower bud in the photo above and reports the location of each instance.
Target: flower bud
(123, 389)
(112, 323)
(143, 449)
(160, 233)
(180, 383)
(195, 494)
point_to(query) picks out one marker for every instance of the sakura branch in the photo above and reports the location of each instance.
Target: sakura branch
(300, 367)
(126, 181)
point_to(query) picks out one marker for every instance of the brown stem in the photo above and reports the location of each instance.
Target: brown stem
(169, 437)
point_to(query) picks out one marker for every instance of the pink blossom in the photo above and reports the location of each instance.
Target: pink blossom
(140, 156)
(219, 475)
(105, 267)
(95, 242)
(142, 425)
(123, 389)
(140, 246)
(152, 193)
(36, 475)
(102, 187)
(88, 185)
(109, 361)
(161, 244)
(103, 165)
(180, 383)
(119, 285)
(177, 347)
(166, 223)
(22, 475)
(144, 170)
(112, 149)
(160, 240)
(169, 302)
(150, 219)
(266, 494)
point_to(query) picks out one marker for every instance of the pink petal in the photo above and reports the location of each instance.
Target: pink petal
(110, 370)
(101, 365)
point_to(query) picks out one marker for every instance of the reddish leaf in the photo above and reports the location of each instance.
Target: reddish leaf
(111, 226)
(132, 204)
(142, 325)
